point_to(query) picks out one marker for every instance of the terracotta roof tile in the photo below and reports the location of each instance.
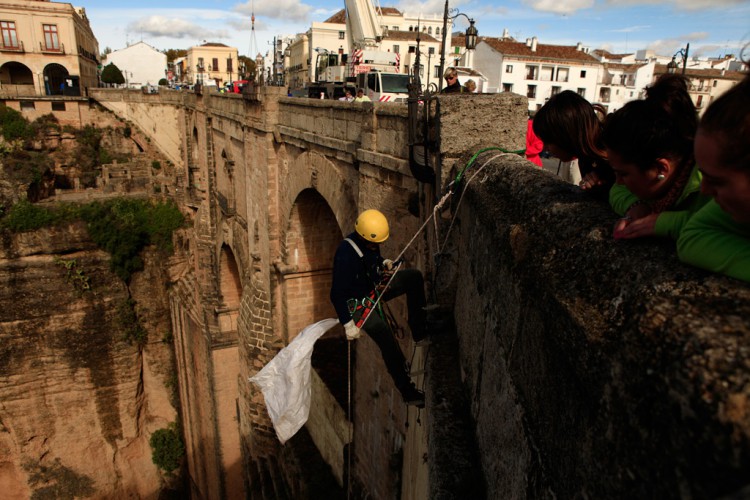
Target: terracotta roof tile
(543, 51)
(408, 36)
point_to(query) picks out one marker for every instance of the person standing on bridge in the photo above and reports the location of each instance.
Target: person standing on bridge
(360, 276)
(451, 78)
(361, 97)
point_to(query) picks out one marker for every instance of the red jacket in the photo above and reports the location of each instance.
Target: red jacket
(534, 145)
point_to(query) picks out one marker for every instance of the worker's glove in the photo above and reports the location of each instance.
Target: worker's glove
(352, 331)
(388, 264)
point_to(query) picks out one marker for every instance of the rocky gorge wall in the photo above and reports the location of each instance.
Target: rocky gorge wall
(591, 368)
(79, 402)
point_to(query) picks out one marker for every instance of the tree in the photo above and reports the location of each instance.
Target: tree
(107, 51)
(112, 74)
(247, 68)
(173, 54)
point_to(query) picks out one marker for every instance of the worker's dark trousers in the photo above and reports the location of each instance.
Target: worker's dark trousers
(409, 282)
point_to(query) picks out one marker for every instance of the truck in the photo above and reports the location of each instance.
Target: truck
(366, 65)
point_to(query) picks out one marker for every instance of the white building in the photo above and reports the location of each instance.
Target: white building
(536, 70)
(140, 63)
(705, 84)
(619, 83)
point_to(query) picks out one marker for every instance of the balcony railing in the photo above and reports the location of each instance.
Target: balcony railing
(51, 50)
(11, 48)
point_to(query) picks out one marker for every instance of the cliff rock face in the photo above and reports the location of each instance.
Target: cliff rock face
(78, 402)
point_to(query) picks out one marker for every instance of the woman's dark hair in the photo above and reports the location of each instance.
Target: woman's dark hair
(728, 119)
(661, 126)
(570, 122)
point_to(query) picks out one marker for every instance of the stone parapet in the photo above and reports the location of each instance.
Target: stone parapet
(594, 368)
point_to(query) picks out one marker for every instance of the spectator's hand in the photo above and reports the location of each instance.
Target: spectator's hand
(590, 181)
(638, 228)
(352, 331)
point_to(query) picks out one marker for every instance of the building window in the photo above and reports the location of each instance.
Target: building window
(716, 82)
(396, 49)
(699, 102)
(214, 64)
(412, 49)
(51, 40)
(531, 72)
(10, 37)
(583, 73)
(200, 64)
(509, 68)
(431, 51)
(555, 90)
(395, 28)
(27, 105)
(229, 65)
(436, 73)
(342, 34)
(507, 87)
(437, 31)
(531, 91)
(58, 106)
(582, 92)
(562, 74)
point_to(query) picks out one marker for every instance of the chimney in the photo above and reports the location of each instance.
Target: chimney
(533, 44)
(579, 46)
(506, 35)
(528, 42)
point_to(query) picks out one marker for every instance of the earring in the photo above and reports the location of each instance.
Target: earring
(660, 177)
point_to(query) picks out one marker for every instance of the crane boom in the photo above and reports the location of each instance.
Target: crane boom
(362, 25)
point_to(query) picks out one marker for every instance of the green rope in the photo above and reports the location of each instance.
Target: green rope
(461, 173)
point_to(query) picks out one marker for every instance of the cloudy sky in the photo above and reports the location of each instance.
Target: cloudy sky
(712, 27)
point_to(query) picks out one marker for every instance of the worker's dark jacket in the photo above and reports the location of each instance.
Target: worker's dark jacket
(453, 88)
(350, 274)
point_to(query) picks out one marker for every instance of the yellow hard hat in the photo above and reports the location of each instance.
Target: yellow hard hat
(372, 226)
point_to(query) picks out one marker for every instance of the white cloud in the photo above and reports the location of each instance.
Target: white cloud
(669, 46)
(559, 6)
(680, 4)
(631, 29)
(292, 10)
(159, 26)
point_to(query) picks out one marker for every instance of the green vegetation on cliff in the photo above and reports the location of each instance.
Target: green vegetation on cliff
(122, 227)
(167, 448)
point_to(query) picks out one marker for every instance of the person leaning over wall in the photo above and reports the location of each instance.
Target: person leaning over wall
(570, 128)
(451, 78)
(470, 86)
(717, 237)
(650, 147)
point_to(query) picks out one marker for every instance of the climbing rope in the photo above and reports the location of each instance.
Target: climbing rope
(351, 422)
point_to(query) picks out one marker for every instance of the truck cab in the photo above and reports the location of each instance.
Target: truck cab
(384, 87)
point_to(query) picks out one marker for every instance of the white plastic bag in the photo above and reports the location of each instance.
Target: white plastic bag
(285, 381)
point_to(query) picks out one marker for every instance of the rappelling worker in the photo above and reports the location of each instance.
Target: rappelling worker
(360, 274)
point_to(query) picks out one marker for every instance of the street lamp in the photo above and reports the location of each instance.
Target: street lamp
(683, 53)
(470, 40)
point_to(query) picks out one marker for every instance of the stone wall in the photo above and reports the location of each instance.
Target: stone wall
(593, 368)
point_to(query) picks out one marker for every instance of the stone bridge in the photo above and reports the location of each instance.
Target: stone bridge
(577, 367)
